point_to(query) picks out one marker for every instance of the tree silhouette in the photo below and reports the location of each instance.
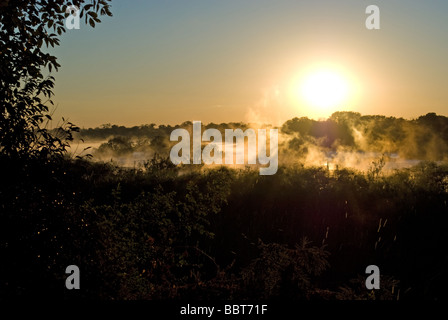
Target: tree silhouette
(25, 85)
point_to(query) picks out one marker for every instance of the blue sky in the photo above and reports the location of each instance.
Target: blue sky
(216, 61)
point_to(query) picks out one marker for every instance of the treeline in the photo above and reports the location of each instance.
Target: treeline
(166, 232)
(146, 131)
(146, 139)
(424, 138)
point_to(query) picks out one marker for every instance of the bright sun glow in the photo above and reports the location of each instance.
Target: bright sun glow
(324, 89)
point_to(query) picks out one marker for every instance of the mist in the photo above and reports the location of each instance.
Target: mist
(344, 140)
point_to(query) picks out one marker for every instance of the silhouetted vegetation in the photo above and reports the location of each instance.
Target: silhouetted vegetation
(26, 88)
(163, 231)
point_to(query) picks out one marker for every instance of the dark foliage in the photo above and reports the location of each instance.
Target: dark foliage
(166, 232)
(25, 87)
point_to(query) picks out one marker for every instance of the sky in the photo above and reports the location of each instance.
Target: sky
(170, 61)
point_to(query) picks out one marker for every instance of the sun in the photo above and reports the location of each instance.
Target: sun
(324, 89)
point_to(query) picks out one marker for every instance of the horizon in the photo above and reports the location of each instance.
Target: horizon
(103, 125)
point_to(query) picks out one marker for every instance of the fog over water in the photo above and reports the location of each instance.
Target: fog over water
(329, 144)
